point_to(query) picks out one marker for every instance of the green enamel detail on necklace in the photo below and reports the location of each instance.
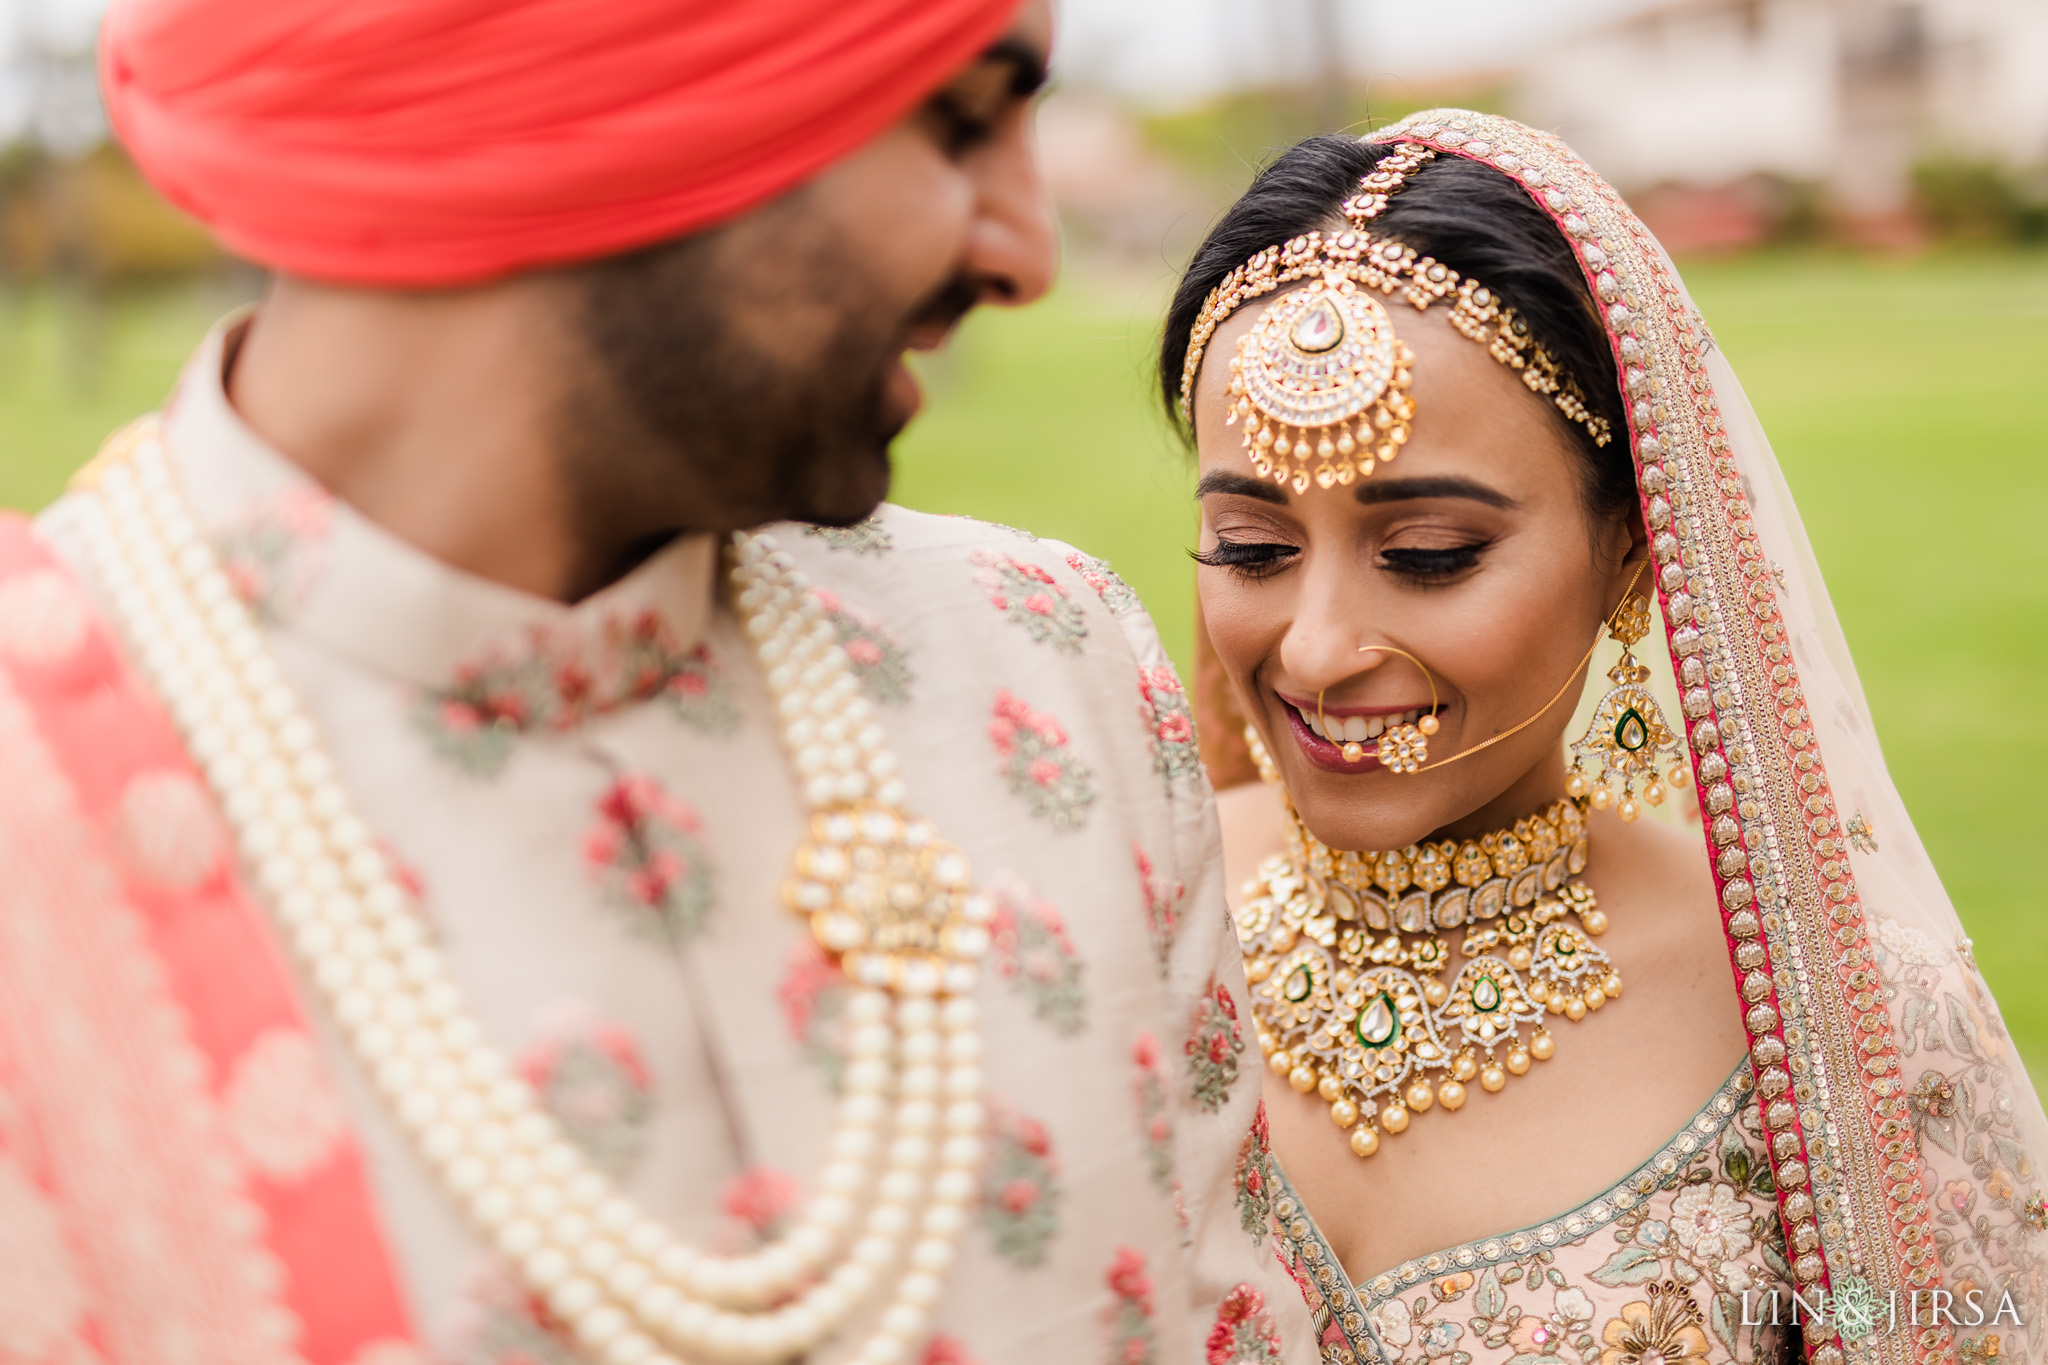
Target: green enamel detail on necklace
(1377, 1023)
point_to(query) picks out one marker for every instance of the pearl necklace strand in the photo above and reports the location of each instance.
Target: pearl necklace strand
(907, 1137)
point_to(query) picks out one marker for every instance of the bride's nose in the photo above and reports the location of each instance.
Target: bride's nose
(1320, 650)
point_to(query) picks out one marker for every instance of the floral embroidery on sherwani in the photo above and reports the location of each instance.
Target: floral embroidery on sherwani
(591, 1078)
(1254, 1178)
(1163, 896)
(812, 994)
(1108, 584)
(1989, 1210)
(757, 1204)
(1030, 950)
(1132, 1338)
(1215, 1044)
(1020, 1191)
(867, 537)
(272, 556)
(1244, 1333)
(1163, 702)
(1148, 1088)
(1055, 785)
(1029, 597)
(644, 852)
(880, 664)
(553, 679)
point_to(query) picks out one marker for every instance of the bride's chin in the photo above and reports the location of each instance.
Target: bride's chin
(1347, 816)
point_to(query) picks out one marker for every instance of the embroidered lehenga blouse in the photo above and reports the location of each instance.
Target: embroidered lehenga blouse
(1880, 1149)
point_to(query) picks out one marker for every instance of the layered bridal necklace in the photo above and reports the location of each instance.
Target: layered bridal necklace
(1345, 953)
(882, 894)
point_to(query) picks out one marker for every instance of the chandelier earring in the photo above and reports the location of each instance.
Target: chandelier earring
(1399, 748)
(1628, 741)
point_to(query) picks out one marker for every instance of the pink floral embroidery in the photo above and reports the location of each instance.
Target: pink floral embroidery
(1020, 1192)
(1132, 1340)
(1055, 785)
(880, 665)
(1108, 584)
(593, 1081)
(644, 853)
(278, 1109)
(1254, 1178)
(1213, 1047)
(1163, 703)
(502, 1323)
(868, 537)
(1163, 895)
(555, 678)
(758, 1202)
(1244, 1333)
(272, 557)
(945, 1350)
(1149, 1088)
(1030, 949)
(812, 993)
(1029, 597)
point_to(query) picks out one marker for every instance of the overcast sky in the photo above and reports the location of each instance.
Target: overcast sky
(1162, 52)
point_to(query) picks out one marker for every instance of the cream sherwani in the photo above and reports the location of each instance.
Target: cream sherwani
(595, 809)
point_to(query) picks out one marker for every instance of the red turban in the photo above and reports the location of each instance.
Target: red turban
(431, 142)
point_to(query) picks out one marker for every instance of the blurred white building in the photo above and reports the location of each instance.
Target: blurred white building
(1846, 95)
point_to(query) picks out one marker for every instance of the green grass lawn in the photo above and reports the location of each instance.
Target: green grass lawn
(1906, 401)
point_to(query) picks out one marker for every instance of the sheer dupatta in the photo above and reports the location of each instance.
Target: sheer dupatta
(1905, 1134)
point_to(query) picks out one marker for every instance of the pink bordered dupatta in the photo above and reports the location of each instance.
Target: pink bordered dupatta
(1905, 1135)
(178, 1182)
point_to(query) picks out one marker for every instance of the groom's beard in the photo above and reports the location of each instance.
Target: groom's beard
(763, 387)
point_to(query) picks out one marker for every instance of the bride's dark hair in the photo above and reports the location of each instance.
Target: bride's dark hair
(1473, 219)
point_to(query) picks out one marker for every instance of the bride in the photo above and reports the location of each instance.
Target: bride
(1458, 422)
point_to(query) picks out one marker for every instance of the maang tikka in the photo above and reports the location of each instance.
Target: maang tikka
(1321, 382)
(1628, 739)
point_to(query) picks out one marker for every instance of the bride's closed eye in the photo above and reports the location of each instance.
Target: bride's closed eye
(1247, 558)
(1432, 565)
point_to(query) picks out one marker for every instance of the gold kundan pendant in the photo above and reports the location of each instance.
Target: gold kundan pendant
(1321, 385)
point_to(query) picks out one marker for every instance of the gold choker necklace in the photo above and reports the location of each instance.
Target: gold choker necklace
(1355, 1017)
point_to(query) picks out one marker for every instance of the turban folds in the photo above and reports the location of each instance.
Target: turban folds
(439, 142)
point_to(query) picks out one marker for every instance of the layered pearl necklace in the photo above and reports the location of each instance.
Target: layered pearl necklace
(882, 895)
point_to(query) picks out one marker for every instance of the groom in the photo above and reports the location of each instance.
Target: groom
(564, 294)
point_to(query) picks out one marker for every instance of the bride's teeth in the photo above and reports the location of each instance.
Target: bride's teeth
(1408, 717)
(1375, 727)
(1354, 729)
(1315, 726)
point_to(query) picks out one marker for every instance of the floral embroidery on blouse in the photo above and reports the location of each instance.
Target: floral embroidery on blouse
(1029, 949)
(1029, 597)
(273, 557)
(1164, 704)
(593, 1080)
(1108, 584)
(1020, 1191)
(645, 856)
(1132, 1339)
(558, 677)
(1148, 1088)
(1244, 1333)
(1214, 1046)
(1163, 895)
(1697, 1224)
(867, 537)
(1055, 785)
(1987, 1222)
(508, 1325)
(812, 994)
(880, 665)
(1254, 1180)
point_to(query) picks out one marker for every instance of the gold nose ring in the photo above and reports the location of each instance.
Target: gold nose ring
(1402, 748)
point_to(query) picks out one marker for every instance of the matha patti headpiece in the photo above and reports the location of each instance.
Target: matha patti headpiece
(1321, 382)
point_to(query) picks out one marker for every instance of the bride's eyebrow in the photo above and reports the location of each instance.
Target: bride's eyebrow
(1448, 486)
(1223, 481)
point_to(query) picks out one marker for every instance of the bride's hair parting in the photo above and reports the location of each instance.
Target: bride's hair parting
(1473, 219)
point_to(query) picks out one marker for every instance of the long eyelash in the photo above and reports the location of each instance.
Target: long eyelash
(1427, 565)
(1248, 559)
